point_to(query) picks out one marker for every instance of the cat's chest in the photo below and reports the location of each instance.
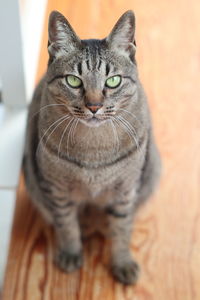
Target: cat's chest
(90, 182)
(91, 146)
(92, 164)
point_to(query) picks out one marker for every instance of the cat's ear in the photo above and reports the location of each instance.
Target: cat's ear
(62, 38)
(122, 37)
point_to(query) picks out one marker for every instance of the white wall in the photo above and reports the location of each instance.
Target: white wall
(32, 21)
(11, 61)
(18, 65)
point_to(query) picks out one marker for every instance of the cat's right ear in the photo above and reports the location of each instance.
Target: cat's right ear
(62, 38)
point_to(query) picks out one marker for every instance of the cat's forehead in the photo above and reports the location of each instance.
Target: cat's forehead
(95, 55)
(94, 48)
(92, 56)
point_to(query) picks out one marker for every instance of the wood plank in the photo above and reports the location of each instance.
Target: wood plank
(166, 239)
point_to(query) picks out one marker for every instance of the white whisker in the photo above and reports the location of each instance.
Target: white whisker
(131, 128)
(55, 129)
(70, 130)
(119, 123)
(60, 120)
(46, 106)
(128, 112)
(115, 134)
(64, 131)
(74, 130)
(130, 131)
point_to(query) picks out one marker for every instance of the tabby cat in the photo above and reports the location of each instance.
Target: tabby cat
(90, 158)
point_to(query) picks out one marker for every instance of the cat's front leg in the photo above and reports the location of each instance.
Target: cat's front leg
(120, 219)
(69, 255)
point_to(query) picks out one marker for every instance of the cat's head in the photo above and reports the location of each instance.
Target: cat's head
(93, 78)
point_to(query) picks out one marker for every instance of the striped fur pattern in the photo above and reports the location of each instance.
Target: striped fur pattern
(90, 157)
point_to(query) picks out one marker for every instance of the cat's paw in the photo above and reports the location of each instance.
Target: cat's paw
(127, 273)
(67, 261)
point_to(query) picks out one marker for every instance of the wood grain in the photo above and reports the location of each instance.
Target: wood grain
(166, 239)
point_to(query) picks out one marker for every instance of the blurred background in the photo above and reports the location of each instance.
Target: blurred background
(166, 238)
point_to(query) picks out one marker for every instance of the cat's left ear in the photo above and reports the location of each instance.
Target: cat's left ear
(122, 37)
(62, 37)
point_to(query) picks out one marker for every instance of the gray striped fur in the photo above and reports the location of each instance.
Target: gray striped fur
(85, 174)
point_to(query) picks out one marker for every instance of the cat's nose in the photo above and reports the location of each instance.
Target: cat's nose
(93, 107)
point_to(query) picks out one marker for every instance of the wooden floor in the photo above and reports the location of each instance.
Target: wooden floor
(166, 239)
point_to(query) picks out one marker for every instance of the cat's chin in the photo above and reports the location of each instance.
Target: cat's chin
(93, 122)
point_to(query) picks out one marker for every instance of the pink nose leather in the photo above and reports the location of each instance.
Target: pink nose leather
(93, 108)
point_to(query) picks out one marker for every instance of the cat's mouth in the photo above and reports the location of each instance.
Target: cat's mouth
(94, 121)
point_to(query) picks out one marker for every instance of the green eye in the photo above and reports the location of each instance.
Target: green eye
(113, 81)
(73, 81)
